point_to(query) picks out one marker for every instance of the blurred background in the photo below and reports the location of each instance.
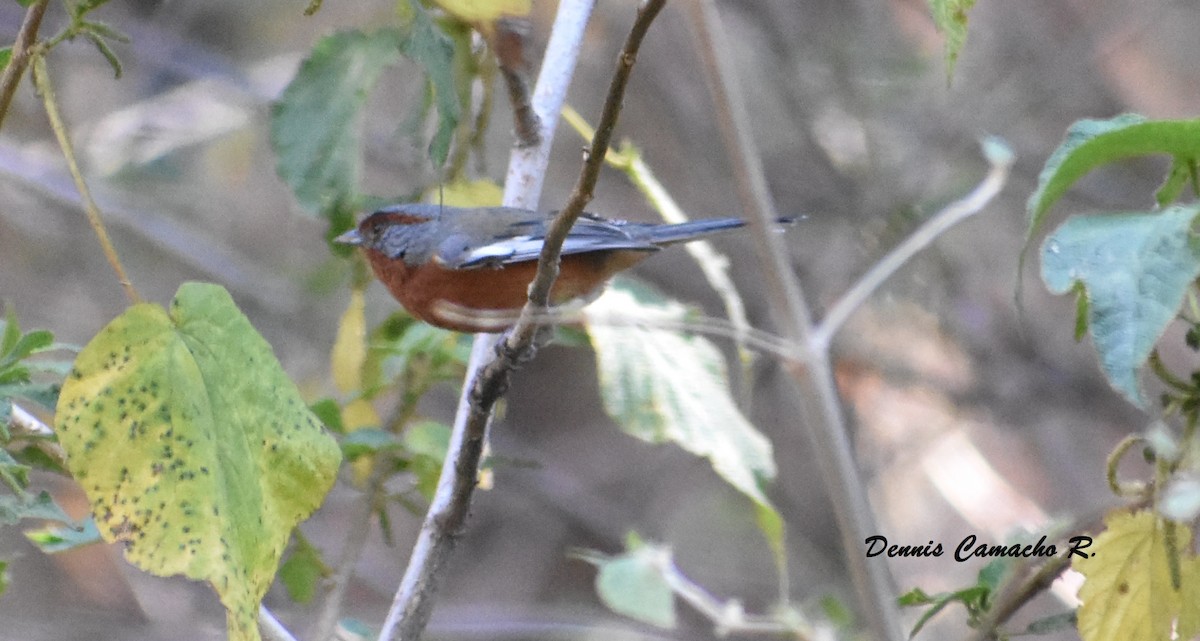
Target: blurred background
(968, 417)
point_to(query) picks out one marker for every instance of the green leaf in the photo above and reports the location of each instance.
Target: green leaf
(195, 449)
(633, 585)
(5, 55)
(29, 506)
(950, 17)
(362, 442)
(12, 333)
(426, 45)
(1183, 170)
(301, 573)
(660, 385)
(12, 473)
(60, 538)
(1135, 268)
(329, 412)
(1091, 143)
(427, 443)
(4, 569)
(315, 124)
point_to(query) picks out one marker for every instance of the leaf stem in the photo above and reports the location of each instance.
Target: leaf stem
(41, 78)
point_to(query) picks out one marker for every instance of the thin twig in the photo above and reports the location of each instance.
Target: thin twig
(819, 404)
(510, 41)
(413, 602)
(1017, 591)
(520, 338)
(728, 617)
(21, 55)
(356, 541)
(1001, 160)
(271, 628)
(41, 78)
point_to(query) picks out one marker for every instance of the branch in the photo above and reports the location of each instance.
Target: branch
(1001, 159)
(819, 404)
(41, 78)
(413, 601)
(21, 55)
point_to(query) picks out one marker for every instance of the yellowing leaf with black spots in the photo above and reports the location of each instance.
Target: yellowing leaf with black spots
(194, 447)
(1127, 594)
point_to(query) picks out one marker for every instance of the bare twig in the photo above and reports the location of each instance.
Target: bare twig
(1001, 159)
(820, 406)
(271, 628)
(41, 78)
(21, 55)
(356, 541)
(510, 40)
(414, 598)
(520, 338)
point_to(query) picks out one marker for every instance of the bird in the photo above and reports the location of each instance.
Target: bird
(462, 268)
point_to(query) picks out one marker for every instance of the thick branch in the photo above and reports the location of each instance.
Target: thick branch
(21, 55)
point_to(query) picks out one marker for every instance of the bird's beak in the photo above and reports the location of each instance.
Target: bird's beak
(351, 237)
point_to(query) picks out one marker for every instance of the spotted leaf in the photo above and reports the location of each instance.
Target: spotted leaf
(195, 449)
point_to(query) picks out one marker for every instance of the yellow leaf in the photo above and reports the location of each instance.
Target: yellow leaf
(1189, 618)
(1127, 595)
(356, 415)
(350, 347)
(484, 11)
(467, 193)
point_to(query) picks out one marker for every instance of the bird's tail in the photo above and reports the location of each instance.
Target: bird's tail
(697, 229)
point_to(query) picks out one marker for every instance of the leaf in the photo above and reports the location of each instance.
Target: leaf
(660, 385)
(5, 56)
(1189, 598)
(12, 473)
(469, 193)
(426, 45)
(60, 538)
(950, 17)
(1136, 268)
(484, 11)
(302, 572)
(1127, 593)
(368, 441)
(1091, 143)
(350, 346)
(194, 447)
(632, 584)
(427, 443)
(29, 506)
(315, 124)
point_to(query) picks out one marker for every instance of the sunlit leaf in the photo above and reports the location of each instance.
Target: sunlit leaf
(661, 385)
(1127, 593)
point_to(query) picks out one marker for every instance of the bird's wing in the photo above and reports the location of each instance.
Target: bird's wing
(523, 242)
